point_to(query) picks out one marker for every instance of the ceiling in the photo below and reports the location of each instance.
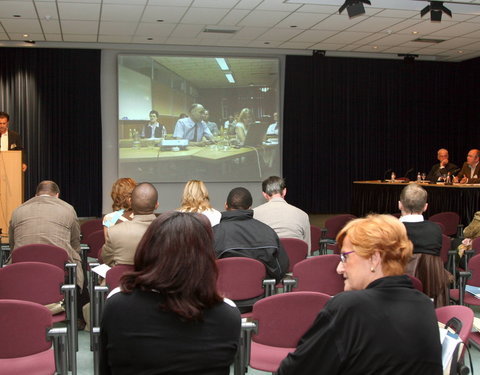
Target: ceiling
(388, 28)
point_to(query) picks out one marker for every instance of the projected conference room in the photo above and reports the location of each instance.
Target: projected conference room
(211, 118)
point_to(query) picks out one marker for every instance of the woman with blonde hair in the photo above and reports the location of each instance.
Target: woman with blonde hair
(380, 324)
(122, 209)
(195, 199)
(241, 127)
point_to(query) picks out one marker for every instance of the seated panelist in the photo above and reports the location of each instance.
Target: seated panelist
(193, 127)
(470, 172)
(440, 170)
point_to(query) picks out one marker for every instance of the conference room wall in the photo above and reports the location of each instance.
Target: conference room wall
(53, 98)
(349, 119)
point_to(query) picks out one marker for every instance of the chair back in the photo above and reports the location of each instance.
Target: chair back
(476, 245)
(115, 274)
(41, 253)
(446, 245)
(90, 226)
(417, 283)
(474, 268)
(296, 250)
(24, 326)
(315, 235)
(240, 278)
(336, 223)
(284, 318)
(95, 241)
(463, 313)
(450, 221)
(319, 274)
(32, 281)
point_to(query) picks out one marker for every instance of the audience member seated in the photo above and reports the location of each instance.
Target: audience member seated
(240, 235)
(470, 172)
(426, 236)
(287, 220)
(168, 317)
(195, 199)
(121, 240)
(380, 324)
(46, 219)
(440, 170)
(122, 208)
(470, 232)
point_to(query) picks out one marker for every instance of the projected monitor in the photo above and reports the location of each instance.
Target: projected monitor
(213, 118)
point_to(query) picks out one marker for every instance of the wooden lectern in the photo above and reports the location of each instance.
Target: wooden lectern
(11, 186)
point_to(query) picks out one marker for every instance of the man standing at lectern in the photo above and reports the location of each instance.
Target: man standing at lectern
(9, 139)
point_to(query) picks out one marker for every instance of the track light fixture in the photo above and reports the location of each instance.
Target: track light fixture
(354, 7)
(408, 58)
(436, 8)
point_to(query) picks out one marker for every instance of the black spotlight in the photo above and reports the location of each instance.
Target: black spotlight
(408, 58)
(436, 8)
(354, 7)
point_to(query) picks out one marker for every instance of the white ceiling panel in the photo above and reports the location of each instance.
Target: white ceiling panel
(337, 22)
(374, 24)
(204, 15)
(278, 5)
(80, 38)
(48, 10)
(155, 29)
(114, 38)
(248, 4)
(168, 14)
(114, 12)
(187, 31)
(234, 17)
(250, 33)
(301, 20)
(53, 37)
(263, 18)
(25, 9)
(456, 30)
(33, 36)
(214, 3)
(280, 34)
(23, 26)
(323, 9)
(313, 36)
(79, 27)
(118, 28)
(346, 37)
(51, 27)
(75, 11)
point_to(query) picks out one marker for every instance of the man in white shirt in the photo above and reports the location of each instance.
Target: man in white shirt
(193, 127)
(273, 128)
(288, 221)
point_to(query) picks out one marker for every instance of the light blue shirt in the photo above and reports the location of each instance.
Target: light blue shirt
(185, 129)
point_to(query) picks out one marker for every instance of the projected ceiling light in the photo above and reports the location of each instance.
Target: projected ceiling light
(354, 7)
(222, 63)
(229, 77)
(436, 8)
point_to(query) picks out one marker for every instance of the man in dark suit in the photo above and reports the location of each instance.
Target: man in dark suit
(442, 168)
(9, 139)
(470, 173)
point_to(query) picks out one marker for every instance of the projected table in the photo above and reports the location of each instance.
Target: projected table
(375, 196)
(212, 162)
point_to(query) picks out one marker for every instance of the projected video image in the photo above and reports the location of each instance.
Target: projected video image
(210, 118)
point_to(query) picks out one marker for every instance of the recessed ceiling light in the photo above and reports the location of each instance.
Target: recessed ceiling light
(293, 26)
(149, 38)
(160, 20)
(266, 43)
(17, 15)
(414, 32)
(25, 35)
(460, 51)
(375, 47)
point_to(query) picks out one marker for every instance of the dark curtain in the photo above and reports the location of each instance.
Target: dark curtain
(349, 119)
(53, 98)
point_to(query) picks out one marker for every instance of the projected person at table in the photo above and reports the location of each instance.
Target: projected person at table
(193, 127)
(153, 129)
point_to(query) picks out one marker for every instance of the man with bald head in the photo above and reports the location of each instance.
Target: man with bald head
(442, 168)
(193, 128)
(122, 239)
(470, 173)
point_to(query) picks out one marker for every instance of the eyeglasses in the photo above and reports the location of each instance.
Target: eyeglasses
(343, 256)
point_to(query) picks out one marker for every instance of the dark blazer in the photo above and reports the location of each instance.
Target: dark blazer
(147, 131)
(466, 172)
(436, 171)
(14, 140)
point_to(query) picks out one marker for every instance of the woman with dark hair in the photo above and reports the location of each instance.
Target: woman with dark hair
(168, 317)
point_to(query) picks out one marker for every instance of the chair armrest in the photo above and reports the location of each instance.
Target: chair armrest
(323, 232)
(69, 291)
(95, 335)
(59, 338)
(460, 231)
(246, 339)
(71, 272)
(84, 249)
(468, 254)
(462, 281)
(289, 284)
(269, 286)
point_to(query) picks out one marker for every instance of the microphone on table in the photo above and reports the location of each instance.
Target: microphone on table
(455, 171)
(385, 174)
